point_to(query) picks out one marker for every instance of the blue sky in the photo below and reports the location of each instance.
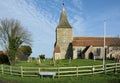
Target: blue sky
(41, 17)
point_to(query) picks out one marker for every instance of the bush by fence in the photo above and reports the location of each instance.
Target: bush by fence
(61, 71)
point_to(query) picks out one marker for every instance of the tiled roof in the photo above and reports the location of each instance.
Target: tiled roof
(63, 22)
(57, 49)
(95, 41)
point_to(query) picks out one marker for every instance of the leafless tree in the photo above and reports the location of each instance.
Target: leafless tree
(12, 36)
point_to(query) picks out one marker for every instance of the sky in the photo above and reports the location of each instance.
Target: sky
(40, 18)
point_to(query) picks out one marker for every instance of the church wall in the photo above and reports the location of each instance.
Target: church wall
(86, 56)
(64, 35)
(75, 49)
(113, 52)
(57, 56)
(64, 38)
(98, 56)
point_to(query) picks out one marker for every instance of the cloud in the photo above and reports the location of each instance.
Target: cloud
(37, 22)
(40, 17)
(78, 4)
(75, 15)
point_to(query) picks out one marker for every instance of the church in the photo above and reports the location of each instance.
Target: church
(68, 46)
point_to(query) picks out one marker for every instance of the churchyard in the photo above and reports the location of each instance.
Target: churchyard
(79, 70)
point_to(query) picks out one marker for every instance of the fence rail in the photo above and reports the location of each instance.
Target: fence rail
(60, 71)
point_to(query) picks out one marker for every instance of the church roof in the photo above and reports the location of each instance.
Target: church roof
(95, 41)
(63, 22)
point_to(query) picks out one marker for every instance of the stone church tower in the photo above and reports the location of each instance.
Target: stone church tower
(63, 44)
(69, 46)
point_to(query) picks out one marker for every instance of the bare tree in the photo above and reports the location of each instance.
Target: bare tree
(12, 35)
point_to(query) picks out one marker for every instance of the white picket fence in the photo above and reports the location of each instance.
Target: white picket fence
(60, 71)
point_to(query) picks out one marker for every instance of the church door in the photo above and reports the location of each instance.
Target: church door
(91, 56)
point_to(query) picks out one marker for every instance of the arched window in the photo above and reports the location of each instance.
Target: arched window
(98, 51)
(79, 53)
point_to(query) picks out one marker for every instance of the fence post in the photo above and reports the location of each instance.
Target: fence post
(58, 72)
(77, 70)
(105, 68)
(39, 69)
(21, 71)
(93, 69)
(10, 70)
(2, 69)
(115, 68)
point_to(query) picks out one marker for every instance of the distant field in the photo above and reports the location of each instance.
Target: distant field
(64, 63)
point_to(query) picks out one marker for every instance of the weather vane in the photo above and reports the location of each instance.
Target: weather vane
(63, 2)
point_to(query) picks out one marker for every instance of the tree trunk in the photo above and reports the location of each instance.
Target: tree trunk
(12, 62)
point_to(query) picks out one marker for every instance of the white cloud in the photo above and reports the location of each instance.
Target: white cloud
(40, 17)
(78, 25)
(35, 21)
(75, 12)
(78, 4)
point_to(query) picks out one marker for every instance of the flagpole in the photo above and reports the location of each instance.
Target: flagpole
(104, 44)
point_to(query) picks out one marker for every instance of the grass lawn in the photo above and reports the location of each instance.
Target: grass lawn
(64, 63)
(98, 78)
